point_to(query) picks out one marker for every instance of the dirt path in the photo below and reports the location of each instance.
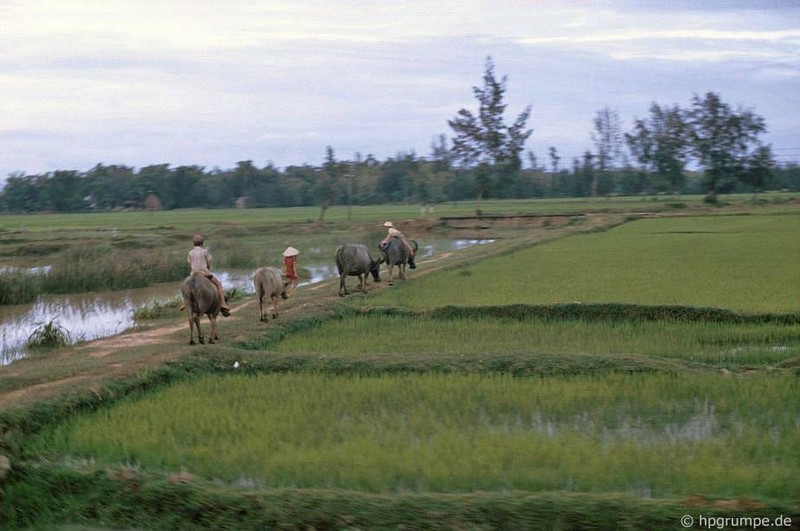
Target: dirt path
(90, 365)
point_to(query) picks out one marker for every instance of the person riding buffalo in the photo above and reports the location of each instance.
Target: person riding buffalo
(200, 263)
(394, 233)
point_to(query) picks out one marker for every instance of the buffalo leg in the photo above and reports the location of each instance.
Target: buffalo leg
(261, 304)
(196, 322)
(213, 336)
(200, 338)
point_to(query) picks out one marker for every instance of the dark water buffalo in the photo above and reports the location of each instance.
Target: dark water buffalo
(353, 259)
(395, 253)
(270, 286)
(201, 298)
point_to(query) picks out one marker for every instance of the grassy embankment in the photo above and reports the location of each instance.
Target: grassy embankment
(627, 408)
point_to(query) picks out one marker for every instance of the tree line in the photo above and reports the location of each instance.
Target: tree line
(709, 148)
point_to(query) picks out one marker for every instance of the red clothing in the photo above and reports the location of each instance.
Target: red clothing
(289, 270)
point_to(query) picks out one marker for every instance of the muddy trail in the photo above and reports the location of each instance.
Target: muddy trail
(92, 365)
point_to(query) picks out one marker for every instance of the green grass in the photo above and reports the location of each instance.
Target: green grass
(197, 219)
(650, 435)
(17, 287)
(715, 343)
(743, 263)
(416, 414)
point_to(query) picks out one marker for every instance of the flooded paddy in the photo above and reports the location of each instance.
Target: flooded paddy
(88, 316)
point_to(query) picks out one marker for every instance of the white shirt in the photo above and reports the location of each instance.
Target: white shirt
(200, 260)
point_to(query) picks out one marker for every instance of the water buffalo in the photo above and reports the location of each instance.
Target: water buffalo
(200, 297)
(353, 259)
(270, 286)
(395, 253)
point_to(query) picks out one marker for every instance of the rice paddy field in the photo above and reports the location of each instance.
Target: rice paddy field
(651, 435)
(604, 379)
(743, 263)
(714, 343)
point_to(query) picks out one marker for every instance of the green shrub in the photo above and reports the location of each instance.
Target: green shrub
(49, 335)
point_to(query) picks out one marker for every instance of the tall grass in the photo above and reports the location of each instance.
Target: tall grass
(18, 287)
(86, 268)
(744, 263)
(716, 343)
(651, 435)
(95, 268)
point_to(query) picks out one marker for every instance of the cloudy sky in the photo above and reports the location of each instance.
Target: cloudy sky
(210, 82)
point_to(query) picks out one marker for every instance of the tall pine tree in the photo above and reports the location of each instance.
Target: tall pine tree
(484, 142)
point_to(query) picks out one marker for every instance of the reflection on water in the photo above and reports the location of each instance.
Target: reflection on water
(29, 270)
(318, 273)
(94, 315)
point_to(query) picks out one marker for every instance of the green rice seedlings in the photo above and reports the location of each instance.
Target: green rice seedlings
(661, 435)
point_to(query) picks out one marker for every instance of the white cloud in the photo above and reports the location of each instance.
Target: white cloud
(214, 82)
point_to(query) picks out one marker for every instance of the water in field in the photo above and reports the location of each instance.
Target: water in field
(88, 316)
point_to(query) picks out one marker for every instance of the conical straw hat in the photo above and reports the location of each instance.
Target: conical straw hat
(291, 251)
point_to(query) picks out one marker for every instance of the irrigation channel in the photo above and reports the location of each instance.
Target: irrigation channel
(88, 316)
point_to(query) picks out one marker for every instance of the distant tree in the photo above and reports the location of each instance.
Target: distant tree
(533, 160)
(441, 156)
(327, 186)
(153, 180)
(298, 183)
(759, 168)
(723, 140)
(607, 138)
(587, 183)
(20, 194)
(265, 191)
(242, 181)
(398, 177)
(184, 188)
(64, 191)
(554, 159)
(484, 142)
(787, 176)
(367, 179)
(660, 146)
(112, 186)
